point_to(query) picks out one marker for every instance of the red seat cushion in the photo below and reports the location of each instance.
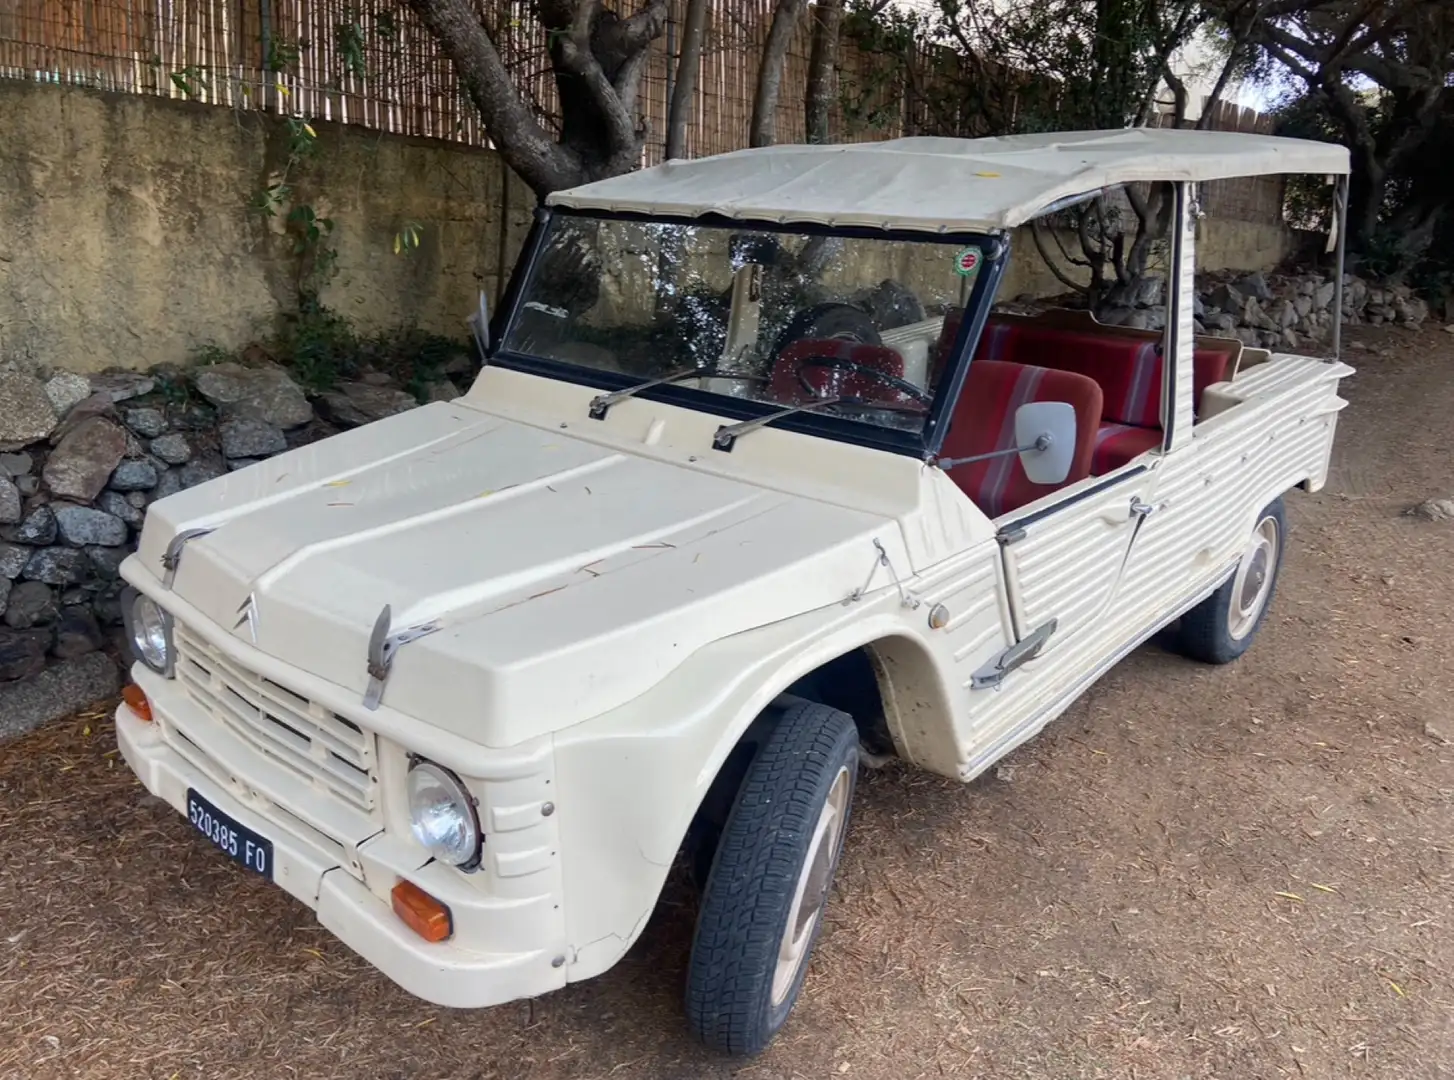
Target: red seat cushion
(984, 420)
(1116, 444)
(829, 382)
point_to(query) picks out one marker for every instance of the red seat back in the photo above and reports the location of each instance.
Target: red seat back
(828, 382)
(984, 420)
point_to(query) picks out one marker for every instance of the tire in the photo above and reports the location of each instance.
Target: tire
(1223, 626)
(793, 802)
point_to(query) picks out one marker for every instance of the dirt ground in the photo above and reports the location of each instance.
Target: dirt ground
(1239, 872)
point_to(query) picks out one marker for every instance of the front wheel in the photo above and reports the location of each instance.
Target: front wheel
(1221, 627)
(762, 906)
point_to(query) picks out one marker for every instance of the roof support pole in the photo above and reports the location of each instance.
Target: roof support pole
(1340, 215)
(1180, 340)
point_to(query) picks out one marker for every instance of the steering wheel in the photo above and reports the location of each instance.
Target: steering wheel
(837, 363)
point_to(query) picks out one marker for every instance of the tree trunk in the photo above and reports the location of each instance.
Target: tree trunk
(823, 68)
(684, 93)
(785, 16)
(523, 143)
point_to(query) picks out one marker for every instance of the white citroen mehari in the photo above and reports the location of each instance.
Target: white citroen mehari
(753, 479)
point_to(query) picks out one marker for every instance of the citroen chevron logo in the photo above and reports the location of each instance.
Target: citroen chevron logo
(248, 609)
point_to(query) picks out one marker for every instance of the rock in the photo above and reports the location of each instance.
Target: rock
(233, 464)
(148, 423)
(173, 449)
(1307, 286)
(251, 438)
(16, 465)
(121, 506)
(1437, 733)
(1303, 305)
(80, 466)
(1411, 311)
(265, 394)
(1289, 340)
(121, 385)
(39, 527)
(13, 558)
(26, 413)
(440, 390)
(32, 603)
(1323, 296)
(1227, 298)
(76, 634)
(57, 566)
(354, 403)
(134, 476)
(66, 390)
(27, 485)
(10, 511)
(60, 691)
(1247, 336)
(1254, 316)
(1285, 314)
(5, 586)
(169, 484)
(22, 653)
(375, 378)
(107, 560)
(1434, 510)
(1255, 285)
(1150, 291)
(82, 526)
(196, 472)
(1115, 316)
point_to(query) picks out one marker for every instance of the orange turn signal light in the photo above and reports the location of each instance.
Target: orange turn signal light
(135, 698)
(421, 913)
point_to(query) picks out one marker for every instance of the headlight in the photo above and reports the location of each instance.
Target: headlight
(442, 815)
(149, 629)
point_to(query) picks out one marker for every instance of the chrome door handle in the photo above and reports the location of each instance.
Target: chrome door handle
(1142, 509)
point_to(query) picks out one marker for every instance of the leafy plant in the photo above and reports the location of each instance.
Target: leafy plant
(348, 37)
(408, 237)
(189, 80)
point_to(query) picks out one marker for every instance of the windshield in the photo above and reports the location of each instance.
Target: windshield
(850, 325)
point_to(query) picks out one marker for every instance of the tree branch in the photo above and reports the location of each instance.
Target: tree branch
(1035, 231)
(684, 90)
(526, 146)
(785, 15)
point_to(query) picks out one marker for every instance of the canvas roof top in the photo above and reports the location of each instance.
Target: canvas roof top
(939, 184)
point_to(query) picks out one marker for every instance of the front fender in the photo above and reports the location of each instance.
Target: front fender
(631, 780)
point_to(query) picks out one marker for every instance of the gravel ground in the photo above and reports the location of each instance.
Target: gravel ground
(1239, 872)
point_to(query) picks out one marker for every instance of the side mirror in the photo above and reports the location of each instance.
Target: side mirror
(1045, 434)
(480, 329)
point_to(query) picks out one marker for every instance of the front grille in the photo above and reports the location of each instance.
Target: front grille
(311, 743)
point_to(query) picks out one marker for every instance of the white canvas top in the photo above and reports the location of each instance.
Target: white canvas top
(939, 184)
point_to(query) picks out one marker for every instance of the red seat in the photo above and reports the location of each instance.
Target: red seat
(1127, 367)
(788, 387)
(984, 420)
(1117, 444)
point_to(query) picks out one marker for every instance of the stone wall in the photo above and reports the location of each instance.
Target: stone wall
(127, 237)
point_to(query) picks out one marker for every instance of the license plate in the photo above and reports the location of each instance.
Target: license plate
(237, 842)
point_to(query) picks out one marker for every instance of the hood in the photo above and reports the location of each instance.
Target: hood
(561, 577)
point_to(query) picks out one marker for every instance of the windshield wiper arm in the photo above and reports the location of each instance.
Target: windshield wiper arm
(727, 435)
(601, 403)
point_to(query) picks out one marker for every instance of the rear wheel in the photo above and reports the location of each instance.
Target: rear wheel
(1223, 626)
(762, 906)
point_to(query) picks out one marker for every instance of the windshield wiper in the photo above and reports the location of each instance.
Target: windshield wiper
(601, 403)
(728, 434)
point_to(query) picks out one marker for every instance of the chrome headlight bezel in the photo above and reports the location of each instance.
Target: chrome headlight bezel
(465, 855)
(140, 614)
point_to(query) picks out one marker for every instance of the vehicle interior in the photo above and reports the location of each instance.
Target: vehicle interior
(868, 333)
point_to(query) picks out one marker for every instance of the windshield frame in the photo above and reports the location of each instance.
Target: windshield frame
(922, 444)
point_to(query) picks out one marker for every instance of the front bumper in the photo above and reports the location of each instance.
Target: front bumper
(448, 973)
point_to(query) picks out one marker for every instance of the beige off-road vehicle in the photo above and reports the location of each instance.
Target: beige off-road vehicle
(752, 478)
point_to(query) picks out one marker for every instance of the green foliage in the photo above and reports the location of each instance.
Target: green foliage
(348, 38)
(282, 55)
(189, 80)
